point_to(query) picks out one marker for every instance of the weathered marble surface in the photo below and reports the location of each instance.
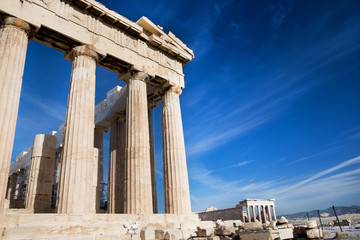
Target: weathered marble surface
(146, 58)
(13, 45)
(121, 42)
(116, 194)
(137, 180)
(76, 175)
(176, 183)
(39, 188)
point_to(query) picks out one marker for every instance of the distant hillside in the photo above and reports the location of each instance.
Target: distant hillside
(339, 211)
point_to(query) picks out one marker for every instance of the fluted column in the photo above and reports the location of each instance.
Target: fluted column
(176, 183)
(253, 212)
(116, 166)
(264, 213)
(99, 144)
(242, 214)
(12, 189)
(14, 34)
(152, 163)
(248, 213)
(274, 213)
(268, 213)
(137, 153)
(76, 176)
(259, 212)
(39, 188)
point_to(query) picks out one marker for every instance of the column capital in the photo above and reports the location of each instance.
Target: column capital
(17, 23)
(118, 117)
(174, 89)
(83, 50)
(152, 105)
(137, 75)
(132, 74)
(101, 129)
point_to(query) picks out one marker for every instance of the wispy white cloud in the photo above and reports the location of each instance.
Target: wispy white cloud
(159, 173)
(253, 114)
(280, 12)
(290, 196)
(239, 164)
(322, 173)
(53, 109)
(298, 160)
(220, 138)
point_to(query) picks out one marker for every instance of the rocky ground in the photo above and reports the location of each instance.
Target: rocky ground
(328, 221)
(330, 230)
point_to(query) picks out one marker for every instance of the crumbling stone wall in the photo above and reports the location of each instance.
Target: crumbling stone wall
(223, 214)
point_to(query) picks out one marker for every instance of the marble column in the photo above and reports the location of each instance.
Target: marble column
(268, 213)
(116, 166)
(39, 188)
(248, 213)
(138, 190)
(242, 214)
(76, 176)
(7, 189)
(273, 210)
(264, 213)
(254, 214)
(20, 189)
(12, 189)
(14, 38)
(176, 183)
(99, 144)
(152, 163)
(94, 177)
(259, 211)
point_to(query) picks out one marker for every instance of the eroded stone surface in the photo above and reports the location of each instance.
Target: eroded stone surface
(39, 189)
(13, 46)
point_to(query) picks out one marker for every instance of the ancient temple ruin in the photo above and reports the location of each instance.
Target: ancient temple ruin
(146, 58)
(69, 161)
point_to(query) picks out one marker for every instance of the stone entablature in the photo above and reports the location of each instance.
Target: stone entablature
(120, 43)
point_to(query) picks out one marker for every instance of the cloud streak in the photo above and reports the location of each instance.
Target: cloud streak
(290, 196)
(53, 109)
(252, 115)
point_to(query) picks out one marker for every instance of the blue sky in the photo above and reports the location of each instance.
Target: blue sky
(271, 106)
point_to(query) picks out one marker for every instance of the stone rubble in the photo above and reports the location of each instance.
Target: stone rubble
(309, 231)
(236, 229)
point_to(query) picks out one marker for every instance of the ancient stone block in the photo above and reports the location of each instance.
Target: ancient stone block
(159, 234)
(224, 231)
(313, 233)
(225, 238)
(237, 223)
(282, 220)
(246, 235)
(286, 233)
(311, 224)
(206, 224)
(205, 232)
(229, 223)
(253, 226)
(213, 238)
(147, 233)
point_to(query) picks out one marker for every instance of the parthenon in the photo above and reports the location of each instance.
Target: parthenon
(69, 161)
(147, 59)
